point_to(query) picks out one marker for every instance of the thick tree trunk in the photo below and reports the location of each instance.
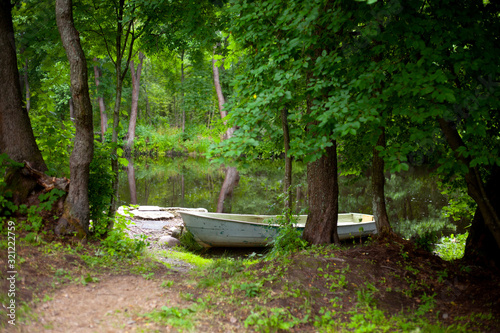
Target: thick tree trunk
(378, 193)
(16, 135)
(322, 180)
(288, 163)
(76, 212)
(475, 185)
(100, 100)
(136, 80)
(481, 246)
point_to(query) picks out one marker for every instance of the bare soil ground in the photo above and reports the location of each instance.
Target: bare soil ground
(113, 300)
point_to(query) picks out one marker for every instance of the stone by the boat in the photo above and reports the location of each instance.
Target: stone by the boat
(168, 241)
(175, 232)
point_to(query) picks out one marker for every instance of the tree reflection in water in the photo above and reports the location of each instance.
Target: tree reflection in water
(414, 201)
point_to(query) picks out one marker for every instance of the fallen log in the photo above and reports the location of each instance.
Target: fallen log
(47, 182)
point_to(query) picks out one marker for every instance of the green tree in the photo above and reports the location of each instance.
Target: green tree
(372, 69)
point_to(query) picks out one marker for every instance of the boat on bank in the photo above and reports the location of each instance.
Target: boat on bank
(245, 230)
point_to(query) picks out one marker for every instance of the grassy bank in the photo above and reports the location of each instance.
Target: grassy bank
(372, 287)
(166, 139)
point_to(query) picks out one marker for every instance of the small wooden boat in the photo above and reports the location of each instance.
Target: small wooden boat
(241, 230)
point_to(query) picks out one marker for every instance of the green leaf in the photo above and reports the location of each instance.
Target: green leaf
(123, 161)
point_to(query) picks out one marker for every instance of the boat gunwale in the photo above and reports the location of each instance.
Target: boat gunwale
(203, 214)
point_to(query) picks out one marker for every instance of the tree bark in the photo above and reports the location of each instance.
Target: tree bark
(322, 180)
(220, 97)
(230, 182)
(76, 212)
(378, 193)
(16, 135)
(232, 174)
(136, 80)
(183, 109)
(475, 186)
(131, 181)
(481, 246)
(218, 88)
(27, 87)
(100, 100)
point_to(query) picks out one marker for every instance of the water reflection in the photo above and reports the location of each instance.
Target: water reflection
(414, 201)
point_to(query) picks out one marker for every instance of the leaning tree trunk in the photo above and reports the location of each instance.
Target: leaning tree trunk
(378, 193)
(481, 246)
(220, 96)
(232, 175)
(100, 100)
(322, 180)
(76, 212)
(475, 186)
(136, 80)
(226, 192)
(16, 135)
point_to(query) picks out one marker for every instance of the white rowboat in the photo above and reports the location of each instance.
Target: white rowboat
(243, 230)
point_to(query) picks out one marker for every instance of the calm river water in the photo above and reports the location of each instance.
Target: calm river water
(414, 201)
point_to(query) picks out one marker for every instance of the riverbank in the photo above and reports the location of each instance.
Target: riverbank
(375, 286)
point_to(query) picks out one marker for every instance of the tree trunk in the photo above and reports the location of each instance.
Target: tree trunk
(232, 174)
(16, 135)
(183, 111)
(114, 139)
(378, 193)
(120, 76)
(148, 106)
(288, 164)
(27, 87)
(136, 80)
(481, 246)
(100, 100)
(226, 192)
(322, 180)
(131, 181)
(475, 185)
(76, 212)
(220, 97)
(218, 88)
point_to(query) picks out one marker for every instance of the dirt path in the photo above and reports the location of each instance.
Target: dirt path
(114, 303)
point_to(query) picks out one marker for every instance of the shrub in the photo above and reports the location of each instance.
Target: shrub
(451, 247)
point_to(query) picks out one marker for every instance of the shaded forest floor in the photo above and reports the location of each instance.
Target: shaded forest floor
(66, 287)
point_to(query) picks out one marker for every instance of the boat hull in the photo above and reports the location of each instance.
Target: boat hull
(240, 230)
